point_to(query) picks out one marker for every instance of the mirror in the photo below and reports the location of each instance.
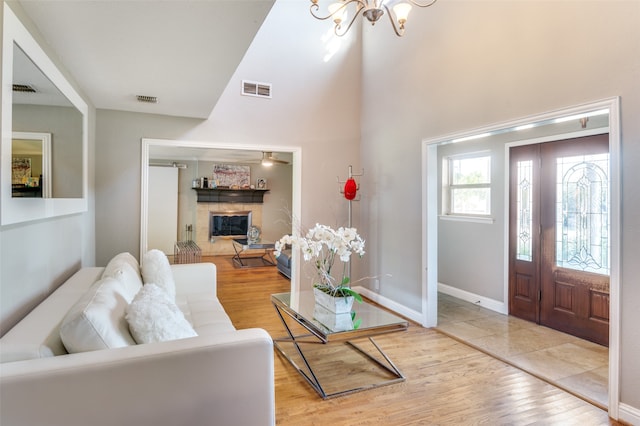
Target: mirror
(39, 106)
(44, 145)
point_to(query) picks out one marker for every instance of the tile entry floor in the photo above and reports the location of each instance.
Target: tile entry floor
(573, 364)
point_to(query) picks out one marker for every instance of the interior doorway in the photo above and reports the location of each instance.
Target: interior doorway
(559, 235)
(181, 146)
(511, 133)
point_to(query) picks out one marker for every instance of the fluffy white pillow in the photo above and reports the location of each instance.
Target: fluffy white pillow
(156, 270)
(97, 321)
(154, 317)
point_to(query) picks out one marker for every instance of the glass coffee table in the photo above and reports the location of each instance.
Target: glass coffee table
(336, 353)
(251, 254)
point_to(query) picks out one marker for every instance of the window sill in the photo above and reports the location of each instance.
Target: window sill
(471, 219)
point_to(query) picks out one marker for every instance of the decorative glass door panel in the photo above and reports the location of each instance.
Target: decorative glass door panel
(524, 238)
(582, 213)
(524, 208)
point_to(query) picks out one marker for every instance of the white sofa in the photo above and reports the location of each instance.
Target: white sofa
(221, 377)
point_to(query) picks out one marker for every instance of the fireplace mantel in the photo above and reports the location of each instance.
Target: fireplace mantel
(226, 195)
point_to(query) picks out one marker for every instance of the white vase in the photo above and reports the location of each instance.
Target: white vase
(331, 320)
(338, 305)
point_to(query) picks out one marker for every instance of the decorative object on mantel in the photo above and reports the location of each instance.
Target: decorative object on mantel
(370, 9)
(203, 182)
(322, 245)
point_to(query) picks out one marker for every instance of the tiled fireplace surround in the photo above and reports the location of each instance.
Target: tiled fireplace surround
(221, 245)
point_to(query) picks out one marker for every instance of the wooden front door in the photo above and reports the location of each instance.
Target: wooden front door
(559, 236)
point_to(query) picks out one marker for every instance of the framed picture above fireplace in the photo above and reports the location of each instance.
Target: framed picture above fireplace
(232, 175)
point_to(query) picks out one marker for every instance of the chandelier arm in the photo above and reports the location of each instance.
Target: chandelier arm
(338, 28)
(420, 4)
(399, 32)
(315, 7)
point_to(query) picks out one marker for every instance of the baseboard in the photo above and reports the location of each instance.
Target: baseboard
(418, 317)
(485, 302)
(628, 414)
(390, 304)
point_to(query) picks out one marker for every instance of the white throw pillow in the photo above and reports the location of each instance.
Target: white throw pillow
(154, 317)
(97, 321)
(156, 270)
(131, 279)
(118, 260)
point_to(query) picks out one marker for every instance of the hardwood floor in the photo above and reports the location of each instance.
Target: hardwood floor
(447, 383)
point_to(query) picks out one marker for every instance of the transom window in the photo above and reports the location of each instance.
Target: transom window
(467, 185)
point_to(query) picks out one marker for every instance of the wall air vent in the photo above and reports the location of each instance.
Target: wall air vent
(147, 99)
(24, 88)
(253, 88)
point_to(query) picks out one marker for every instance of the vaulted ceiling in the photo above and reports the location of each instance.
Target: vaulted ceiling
(183, 52)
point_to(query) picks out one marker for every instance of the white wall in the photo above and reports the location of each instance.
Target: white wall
(276, 212)
(118, 174)
(315, 104)
(467, 64)
(471, 254)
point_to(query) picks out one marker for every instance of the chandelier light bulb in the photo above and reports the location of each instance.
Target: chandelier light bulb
(402, 13)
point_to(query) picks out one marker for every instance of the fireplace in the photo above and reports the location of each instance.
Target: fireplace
(229, 224)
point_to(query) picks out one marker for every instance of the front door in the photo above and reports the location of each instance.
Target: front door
(559, 236)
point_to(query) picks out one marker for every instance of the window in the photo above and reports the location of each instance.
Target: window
(467, 185)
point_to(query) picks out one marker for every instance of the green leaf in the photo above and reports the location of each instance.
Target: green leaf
(350, 292)
(345, 281)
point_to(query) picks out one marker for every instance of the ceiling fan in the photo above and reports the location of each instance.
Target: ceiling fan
(269, 160)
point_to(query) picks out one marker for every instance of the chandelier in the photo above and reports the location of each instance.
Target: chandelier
(370, 9)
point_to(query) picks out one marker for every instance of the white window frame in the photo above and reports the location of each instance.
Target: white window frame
(448, 186)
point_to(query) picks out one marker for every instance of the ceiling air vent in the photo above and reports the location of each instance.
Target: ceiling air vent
(253, 88)
(24, 88)
(147, 99)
